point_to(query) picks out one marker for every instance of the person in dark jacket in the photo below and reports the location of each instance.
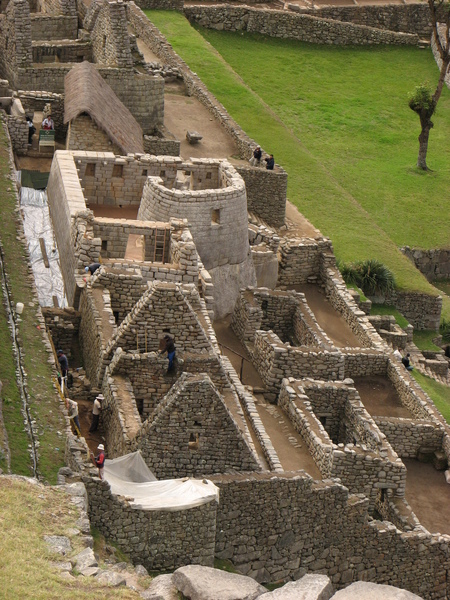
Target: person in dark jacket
(407, 363)
(270, 163)
(256, 158)
(63, 363)
(92, 268)
(168, 346)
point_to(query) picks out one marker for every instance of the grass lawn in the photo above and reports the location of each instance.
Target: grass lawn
(383, 309)
(348, 143)
(423, 339)
(44, 403)
(28, 513)
(440, 394)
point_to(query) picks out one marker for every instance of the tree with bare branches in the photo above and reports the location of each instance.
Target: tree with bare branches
(423, 101)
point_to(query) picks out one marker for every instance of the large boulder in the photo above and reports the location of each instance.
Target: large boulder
(161, 588)
(205, 583)
(309, 587)
(363, 590)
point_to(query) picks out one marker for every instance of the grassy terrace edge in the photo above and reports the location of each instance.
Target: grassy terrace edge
(330, 204)
(44, 401)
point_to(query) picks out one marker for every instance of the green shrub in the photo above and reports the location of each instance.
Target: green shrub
(444, 330)
(370, 275)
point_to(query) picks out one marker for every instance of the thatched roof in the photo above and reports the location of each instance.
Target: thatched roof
(87, 92)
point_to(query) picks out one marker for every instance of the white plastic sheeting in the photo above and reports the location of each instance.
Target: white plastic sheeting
(129, 476)
(37, 224)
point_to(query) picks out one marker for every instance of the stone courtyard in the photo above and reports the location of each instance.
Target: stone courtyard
(286, 394)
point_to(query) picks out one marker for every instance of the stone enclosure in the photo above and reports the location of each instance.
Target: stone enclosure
(186, 243)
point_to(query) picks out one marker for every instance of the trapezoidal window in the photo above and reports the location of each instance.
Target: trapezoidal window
(117, 171)
(215, 216)
(90, 170)
(193, 441)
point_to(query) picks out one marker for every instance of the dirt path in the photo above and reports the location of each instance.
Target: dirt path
(429, 495)
(380, 398)
(328, 318)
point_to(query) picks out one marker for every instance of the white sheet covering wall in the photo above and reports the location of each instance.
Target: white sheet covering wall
(129, 476)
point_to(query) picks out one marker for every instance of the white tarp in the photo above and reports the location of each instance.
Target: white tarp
(129, 476)
(37, 224)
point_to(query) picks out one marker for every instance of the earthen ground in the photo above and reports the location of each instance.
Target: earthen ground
(288, 444)
(328, 318)
(380, 397)
(428, 494)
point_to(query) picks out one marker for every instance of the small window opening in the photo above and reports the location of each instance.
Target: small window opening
(116, 317)
(144, 172)
(208, 175)
(265, 304)
(105, 245)
(162, 173)
(117, 171)
(215, 216)
(383, 494)
(193, 441)
(90, 170)
(323, 420)
(140, 405)
(104, 41)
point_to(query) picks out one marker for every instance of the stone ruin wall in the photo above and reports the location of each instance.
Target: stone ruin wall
(265, 198)
(194, 407)
(52, 27)
(290, 526)
(160, 540)
(57, 7)
(434, 264)
(408, 436)
(18, 132)
(63, 325)
(293, 25)
(84, 133)
(107, 25)
(35, 102)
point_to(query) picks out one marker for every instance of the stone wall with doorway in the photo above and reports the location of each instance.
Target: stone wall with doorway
(35, 102)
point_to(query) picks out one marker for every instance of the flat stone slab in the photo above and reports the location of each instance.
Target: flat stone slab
(161, 588)
(85, 559)
(205, 583)
(309, 587)
(111, 578)
(58, 543)
(363, 590)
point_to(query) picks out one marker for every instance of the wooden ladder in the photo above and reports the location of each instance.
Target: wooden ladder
(160, 245)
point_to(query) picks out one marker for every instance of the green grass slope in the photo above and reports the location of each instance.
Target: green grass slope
(337, 120)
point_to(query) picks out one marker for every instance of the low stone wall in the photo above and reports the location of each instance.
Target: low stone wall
(274, 361)
(408, 436)
(61, 52)
(53, 27)
(405, 18)
(161, 146)
(91, 336)
(434, 264)
(305, 533)
(266, 193)
(364, 362)
(300, 260)
(158, 539)
(410, 394)
(421, 310)
(161, 4)
(293, 25)
(18, 132)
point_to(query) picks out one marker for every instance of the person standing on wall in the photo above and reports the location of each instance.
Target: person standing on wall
(270, 163)
(96, 409)
(168, 345)
(99, 460)
(72, 408)
(255, 160)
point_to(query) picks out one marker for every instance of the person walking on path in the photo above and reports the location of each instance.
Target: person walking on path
(96, 409)
(99, 460)
(72, 408)
(168, 346)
